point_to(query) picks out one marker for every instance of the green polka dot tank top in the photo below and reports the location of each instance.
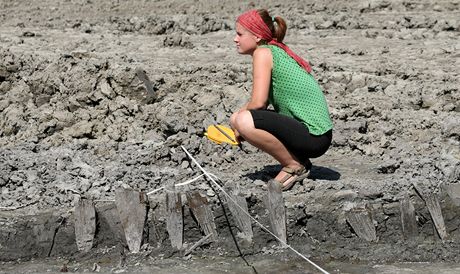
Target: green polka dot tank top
(295, 93)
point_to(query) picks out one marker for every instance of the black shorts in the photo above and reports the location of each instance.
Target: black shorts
(293, 134)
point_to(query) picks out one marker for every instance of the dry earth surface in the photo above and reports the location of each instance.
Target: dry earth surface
(76, 121)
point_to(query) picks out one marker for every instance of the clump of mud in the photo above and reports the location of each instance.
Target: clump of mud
(77, 121)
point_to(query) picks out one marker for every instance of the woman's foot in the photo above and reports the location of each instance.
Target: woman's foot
(289, 176)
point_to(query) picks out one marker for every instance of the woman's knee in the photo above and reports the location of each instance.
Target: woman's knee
(242, 121)
(233, 120)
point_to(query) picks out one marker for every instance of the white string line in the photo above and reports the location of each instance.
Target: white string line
(179, 184)
(7, 208)
(160, 188)
(257, 222)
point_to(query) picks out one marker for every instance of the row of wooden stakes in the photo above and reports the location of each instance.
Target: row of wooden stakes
(132, 209)
(360, 217)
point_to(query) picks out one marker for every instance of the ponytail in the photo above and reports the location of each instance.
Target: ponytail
(276, 24)
(279, 28)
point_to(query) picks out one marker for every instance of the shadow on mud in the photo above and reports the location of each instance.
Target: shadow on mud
(324, 173)
(317, 173)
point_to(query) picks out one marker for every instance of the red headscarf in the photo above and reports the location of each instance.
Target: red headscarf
(252, 21)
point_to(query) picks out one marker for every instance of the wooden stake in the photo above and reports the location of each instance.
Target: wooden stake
(174, 216)
(132, 208)
(434, 208)
(109, 213)
(240, 213)
(203, 213)
(408, 221)
(140, 73)
(201, 242)
(362, 223)
(85, 224)
(276, 211)
(432, 203)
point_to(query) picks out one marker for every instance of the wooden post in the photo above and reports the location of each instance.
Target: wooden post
(109, 214)
(174, 216)
(202, 241)
(362, 223)
(432, 203)
(203, 213)
(132, 208)
(85, 224)
(140, 73)
(240, 213)
(408, 221)
(434, 208)
(276, 211)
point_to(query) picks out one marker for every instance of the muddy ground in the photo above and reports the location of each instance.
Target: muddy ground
(76, 121)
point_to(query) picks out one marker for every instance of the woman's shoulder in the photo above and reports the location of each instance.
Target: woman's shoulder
(263, 52)
(262, 57)
(274, 50)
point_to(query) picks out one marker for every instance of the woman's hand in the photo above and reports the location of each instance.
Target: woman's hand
(238, 137)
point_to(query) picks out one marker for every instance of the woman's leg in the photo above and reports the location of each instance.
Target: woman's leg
(265, 141)
(293, 134)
